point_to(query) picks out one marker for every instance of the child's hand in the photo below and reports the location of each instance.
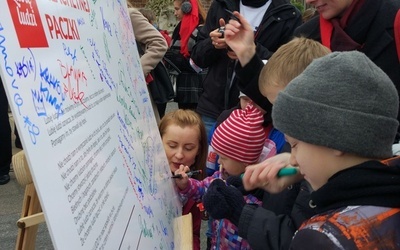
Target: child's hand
(264, 175)
(239, 36)
(184, 180)
(222, 201)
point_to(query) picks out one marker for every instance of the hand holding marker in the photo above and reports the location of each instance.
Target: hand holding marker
(189, 174)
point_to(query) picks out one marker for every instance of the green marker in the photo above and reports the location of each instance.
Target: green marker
(288, 171)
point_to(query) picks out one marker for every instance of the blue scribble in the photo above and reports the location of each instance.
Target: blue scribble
(42, 96)
(106, 24)
(52, 81)
(149, 211)
(140, 190)
(80, 21)
(32, 129)
(18, 101)
(68, 52)
(26, 66)
(163, 227)
(8, 68)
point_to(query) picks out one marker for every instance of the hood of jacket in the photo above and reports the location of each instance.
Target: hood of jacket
(370, 183)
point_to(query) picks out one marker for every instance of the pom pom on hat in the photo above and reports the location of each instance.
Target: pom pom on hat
(341, 101)
(241, 136)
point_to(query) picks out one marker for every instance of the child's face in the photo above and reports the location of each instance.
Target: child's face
(316, 163)
(181, 145)
(230, 167)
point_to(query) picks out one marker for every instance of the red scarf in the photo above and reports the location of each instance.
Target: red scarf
(189, 23)
(332, 31)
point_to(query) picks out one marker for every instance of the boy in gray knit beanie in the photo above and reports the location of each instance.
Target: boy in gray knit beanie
(339, 116)
(342, 101)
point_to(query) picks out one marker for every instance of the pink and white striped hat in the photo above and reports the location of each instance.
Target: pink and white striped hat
(241, 136)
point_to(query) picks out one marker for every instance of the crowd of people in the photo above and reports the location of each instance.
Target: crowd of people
(322, 98)
(327, 93)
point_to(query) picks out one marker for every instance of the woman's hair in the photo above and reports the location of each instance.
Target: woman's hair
(202, 12)
(130, 3)
(149, 14)
(188, 118)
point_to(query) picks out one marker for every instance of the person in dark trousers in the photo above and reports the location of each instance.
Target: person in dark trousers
(5, 138)
(189, 82)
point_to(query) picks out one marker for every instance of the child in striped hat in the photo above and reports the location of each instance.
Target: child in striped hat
(239, 141)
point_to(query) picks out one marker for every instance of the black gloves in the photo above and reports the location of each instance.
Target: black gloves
(223, 201)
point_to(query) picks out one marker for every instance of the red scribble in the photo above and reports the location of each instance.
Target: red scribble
(75, 79)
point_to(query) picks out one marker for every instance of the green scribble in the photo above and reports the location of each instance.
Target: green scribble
(87, 61)
(124, 104)
(108, 54)
(139, 133)
(136, 106)
(93, 22)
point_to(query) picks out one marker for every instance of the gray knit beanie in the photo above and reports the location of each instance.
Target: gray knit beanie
(341, 101)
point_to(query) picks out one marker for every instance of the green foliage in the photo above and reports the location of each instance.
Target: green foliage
(298, 4)
(158, 6)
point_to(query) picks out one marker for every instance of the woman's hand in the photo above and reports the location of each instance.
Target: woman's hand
(182, 182)
(217, 36)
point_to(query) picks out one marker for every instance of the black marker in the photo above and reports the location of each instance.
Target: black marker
(190, 174)
(232, 15)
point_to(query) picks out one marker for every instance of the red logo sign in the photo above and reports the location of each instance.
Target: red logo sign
(27, 23)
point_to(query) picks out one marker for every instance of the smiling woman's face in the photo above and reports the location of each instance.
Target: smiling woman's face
(329, 9)
(181, 145)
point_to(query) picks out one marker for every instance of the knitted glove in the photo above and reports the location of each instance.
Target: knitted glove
(222, 201)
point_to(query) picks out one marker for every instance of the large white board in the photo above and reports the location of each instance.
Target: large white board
(75, 86)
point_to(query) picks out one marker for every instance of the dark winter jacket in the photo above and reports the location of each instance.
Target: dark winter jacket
(272, 226)
(358, 208)
(276, 28)
(248, 84)
(374, 186)
(372, 27)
